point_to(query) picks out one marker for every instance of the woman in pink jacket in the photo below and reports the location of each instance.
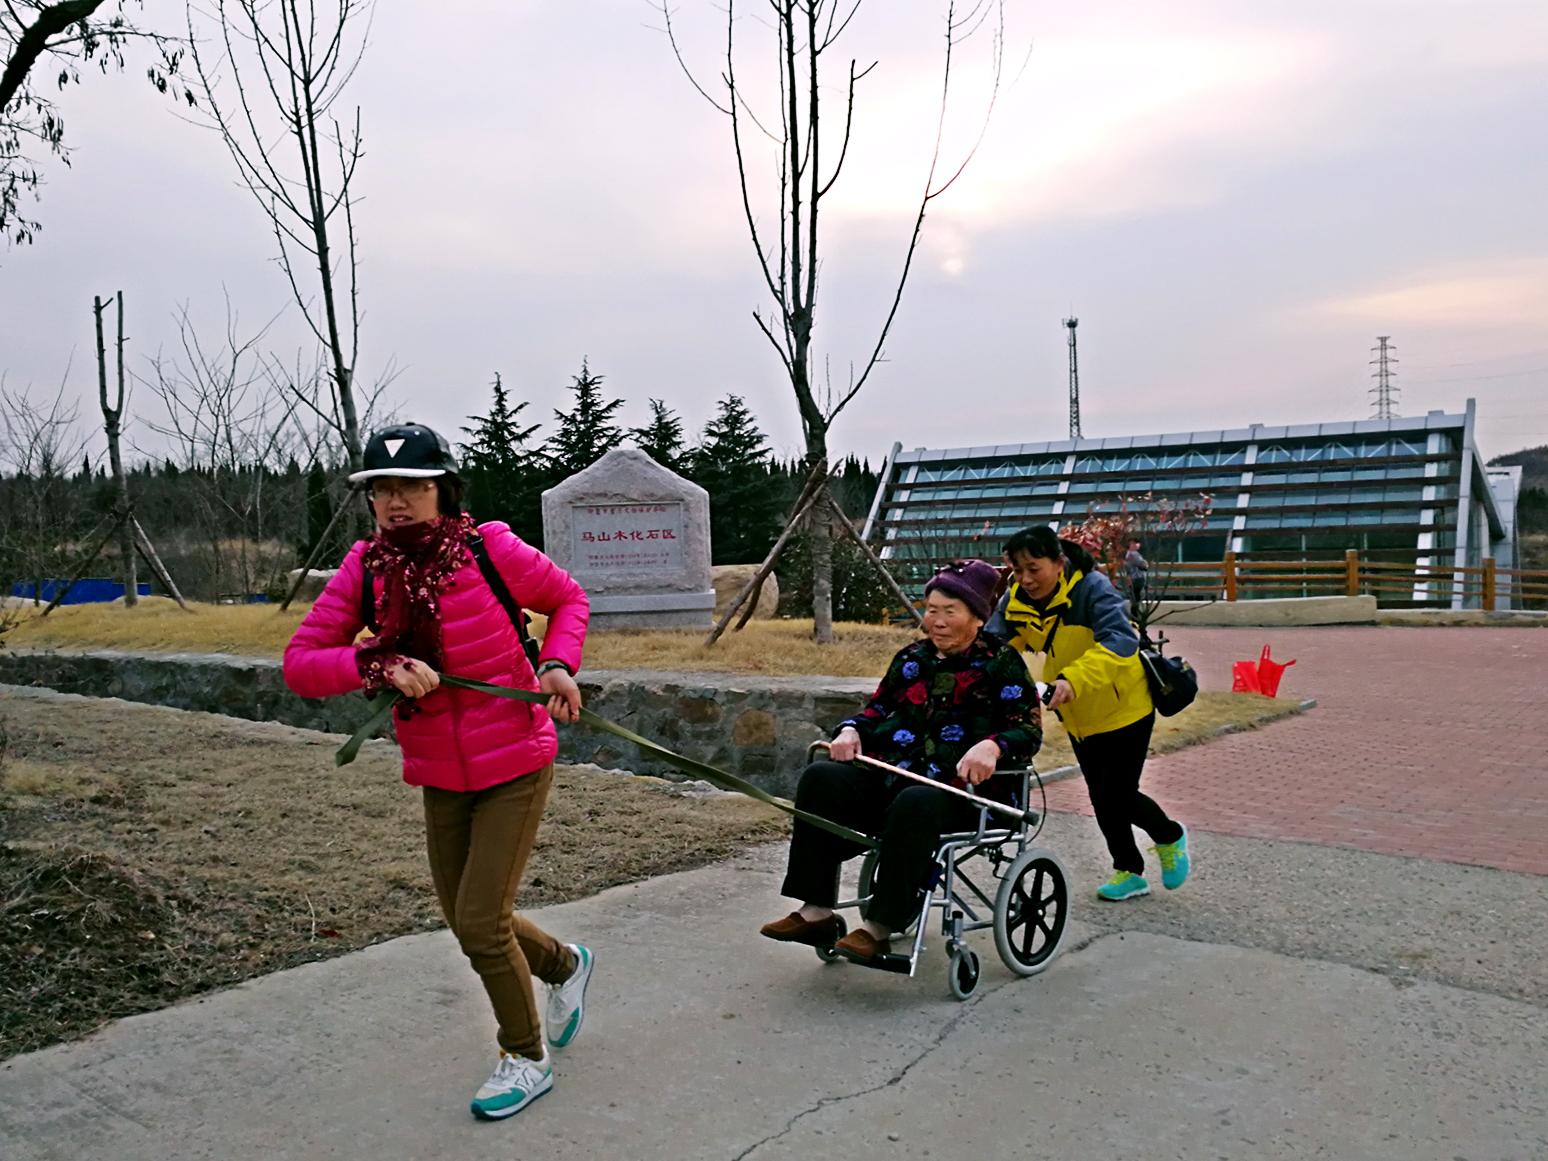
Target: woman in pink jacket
(430, 582)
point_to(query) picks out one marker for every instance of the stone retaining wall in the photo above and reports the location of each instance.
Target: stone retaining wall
(758, 727)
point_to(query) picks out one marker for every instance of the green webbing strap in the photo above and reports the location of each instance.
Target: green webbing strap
(381, 707)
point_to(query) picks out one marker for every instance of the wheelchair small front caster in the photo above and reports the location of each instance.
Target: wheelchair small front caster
(962, 972)
(827, 954)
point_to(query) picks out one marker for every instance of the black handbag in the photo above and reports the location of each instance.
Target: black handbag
(1173, 683)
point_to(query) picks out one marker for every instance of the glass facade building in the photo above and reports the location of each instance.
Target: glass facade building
(1402, 490)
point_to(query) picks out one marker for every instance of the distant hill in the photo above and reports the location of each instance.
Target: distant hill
(1534, 461)
(1532, 515)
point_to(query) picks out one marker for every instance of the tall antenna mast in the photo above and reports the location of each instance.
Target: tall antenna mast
(1384, 373)
(1072, 323)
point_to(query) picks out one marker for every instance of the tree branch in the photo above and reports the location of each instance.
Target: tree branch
(931, 191)
(33, 42)
(741, 164)
(671, 35)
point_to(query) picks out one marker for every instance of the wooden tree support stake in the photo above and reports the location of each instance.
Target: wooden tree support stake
(814, 482)
(876, 561)
(148, 551)
(80, 569)
(317, 549)
(141, 541)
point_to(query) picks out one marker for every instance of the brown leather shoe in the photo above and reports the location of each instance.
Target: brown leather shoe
(812, 932)
(860, 945)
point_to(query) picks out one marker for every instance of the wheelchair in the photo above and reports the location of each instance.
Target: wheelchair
(1028, 909)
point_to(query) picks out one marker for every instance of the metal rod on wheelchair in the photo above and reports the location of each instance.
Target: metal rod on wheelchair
(987, 803)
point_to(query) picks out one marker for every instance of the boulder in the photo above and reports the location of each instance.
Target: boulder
(316, 581)
(729, 579)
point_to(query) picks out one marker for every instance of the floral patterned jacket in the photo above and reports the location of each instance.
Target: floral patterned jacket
(929, 710)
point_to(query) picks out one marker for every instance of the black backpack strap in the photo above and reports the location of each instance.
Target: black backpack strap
(368, 601)
(492, 578)
(502, 594)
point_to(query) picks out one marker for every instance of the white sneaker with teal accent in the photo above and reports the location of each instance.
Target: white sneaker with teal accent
(1123, 885)
(516, 1082)
(567, 1001)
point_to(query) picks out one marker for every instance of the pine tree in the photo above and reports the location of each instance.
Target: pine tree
(505, 476)
(854, 487)
(662, 438)
(586, 434)
(731, 463)
(319, 513)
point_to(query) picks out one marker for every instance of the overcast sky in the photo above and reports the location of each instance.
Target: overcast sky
(1235, 199)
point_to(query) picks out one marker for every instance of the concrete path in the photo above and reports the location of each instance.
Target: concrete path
(1292, 1001)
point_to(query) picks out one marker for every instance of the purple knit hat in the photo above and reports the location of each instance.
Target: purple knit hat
(973, 582)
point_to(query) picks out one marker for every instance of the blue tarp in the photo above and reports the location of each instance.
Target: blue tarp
(91, 590)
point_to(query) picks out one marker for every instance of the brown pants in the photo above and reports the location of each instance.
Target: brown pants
(479, 843)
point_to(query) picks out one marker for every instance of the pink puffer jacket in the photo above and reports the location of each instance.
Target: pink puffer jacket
(459, 740)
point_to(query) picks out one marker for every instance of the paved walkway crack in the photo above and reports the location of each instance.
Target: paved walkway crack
(896, 1078)
(902, 1073)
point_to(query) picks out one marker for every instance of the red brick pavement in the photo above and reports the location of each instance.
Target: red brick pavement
(1427, 742)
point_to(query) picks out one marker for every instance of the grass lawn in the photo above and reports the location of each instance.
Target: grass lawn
(262, 630)
(773, 647)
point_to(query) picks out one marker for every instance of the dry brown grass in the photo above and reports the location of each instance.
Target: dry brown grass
(157, 624)
(772, 647)
(783, 647)
(148, 854)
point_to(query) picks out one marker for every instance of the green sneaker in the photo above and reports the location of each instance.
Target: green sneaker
(1175, 863)
(1123, 885)
(517, 1081)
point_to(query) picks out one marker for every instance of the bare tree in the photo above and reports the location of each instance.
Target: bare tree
(39, 442)
(232, 433)
(289, 62)
(805, 32)
(61, 37)
(112, 426)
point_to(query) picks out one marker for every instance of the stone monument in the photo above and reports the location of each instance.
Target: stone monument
(636, 537)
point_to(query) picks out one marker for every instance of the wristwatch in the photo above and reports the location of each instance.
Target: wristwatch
(554, 663)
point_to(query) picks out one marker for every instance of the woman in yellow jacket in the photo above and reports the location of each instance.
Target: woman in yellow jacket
(1060, 604)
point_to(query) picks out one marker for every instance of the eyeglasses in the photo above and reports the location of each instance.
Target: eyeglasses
(400, 489)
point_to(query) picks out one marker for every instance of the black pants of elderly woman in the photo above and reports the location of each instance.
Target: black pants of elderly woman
(908, 818)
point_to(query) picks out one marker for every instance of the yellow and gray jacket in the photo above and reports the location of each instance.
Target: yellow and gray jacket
(1085, 629)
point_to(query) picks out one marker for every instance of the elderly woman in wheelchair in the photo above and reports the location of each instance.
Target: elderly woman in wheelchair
(956, 707)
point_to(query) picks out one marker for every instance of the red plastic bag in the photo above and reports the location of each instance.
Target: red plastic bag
(1260, 676)
(1269, 674)
(1244, 677)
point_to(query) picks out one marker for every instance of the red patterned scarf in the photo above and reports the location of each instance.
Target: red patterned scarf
(415, 563)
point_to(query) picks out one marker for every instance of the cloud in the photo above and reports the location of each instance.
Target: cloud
(1494, 294)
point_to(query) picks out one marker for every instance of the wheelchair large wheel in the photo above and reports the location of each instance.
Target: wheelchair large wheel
(867, 882)
(1030, 911)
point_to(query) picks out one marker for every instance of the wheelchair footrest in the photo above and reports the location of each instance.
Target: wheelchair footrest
(900, 964)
